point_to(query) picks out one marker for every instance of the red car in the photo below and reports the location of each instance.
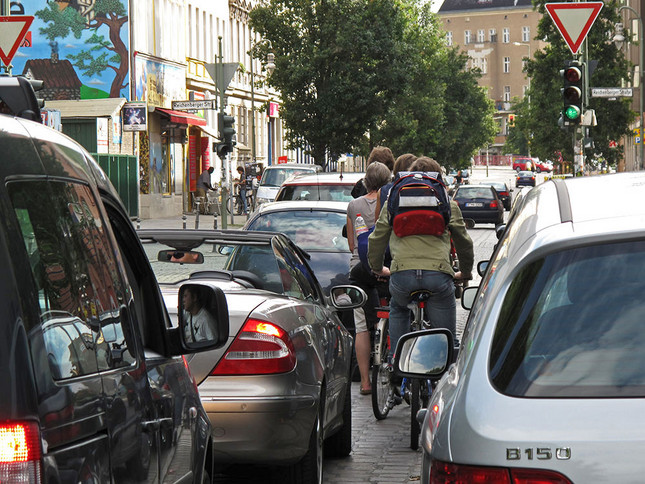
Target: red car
(523, 164)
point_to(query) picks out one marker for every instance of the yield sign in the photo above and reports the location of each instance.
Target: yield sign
(574, 20)
(13, 29)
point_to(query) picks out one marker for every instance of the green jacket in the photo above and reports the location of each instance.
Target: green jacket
(427, 252)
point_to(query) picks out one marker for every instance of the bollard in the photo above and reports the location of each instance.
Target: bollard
(183, 219)
(138, 223)
(215, 221)
(197, 219)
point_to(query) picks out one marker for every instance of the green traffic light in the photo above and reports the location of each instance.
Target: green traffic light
(572, 112)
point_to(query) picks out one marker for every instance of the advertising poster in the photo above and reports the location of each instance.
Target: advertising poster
(135, 117)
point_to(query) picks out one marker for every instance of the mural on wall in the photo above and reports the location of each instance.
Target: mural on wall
(80, 48)
(158, 83)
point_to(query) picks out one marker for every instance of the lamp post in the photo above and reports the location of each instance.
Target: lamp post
(269, 66)
(619, 37)
(529, 94)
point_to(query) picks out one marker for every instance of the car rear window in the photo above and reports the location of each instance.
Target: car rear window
(309, 229)
(327, 193)
(474, 192)
(276, 176)
(571, 325)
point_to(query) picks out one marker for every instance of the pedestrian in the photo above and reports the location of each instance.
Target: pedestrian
(422, 262)
(360, 216)
(240, 182)
(203, 184)
(382, 154)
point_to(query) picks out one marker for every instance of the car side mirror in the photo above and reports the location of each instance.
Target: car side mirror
(481, 267)
(468, 297)
(203, 317)
(424, 354)
(347, 297)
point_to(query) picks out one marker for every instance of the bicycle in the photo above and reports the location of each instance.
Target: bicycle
(416, 392)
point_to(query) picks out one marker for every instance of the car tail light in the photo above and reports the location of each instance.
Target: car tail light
(448, 473)
(494, 204)
(19, 452)
(504, 194)
(259, 348)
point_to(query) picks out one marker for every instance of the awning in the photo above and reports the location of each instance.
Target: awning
(209, 131)
(241, 147)
(182, 117)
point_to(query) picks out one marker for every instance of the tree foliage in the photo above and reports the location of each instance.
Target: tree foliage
(356, 73)
(546, 100)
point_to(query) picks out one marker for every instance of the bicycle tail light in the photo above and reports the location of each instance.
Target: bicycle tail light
(19, 452)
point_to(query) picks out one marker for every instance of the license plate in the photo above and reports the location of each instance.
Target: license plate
(474, 204)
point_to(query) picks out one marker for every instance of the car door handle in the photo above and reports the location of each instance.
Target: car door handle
(153, 425)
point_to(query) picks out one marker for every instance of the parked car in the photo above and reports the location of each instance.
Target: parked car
(546, 349)
(523, 164)
(503, 192)
(94, 385)
(281, 385)
(479, 203)
(317, 228)
(525, 179)
(274, 176)
(333, 187)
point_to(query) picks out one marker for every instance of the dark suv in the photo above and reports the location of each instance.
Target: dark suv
(94, 385)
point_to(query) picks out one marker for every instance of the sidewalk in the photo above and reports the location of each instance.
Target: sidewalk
(188, 221)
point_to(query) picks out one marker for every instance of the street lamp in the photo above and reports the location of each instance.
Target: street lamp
(270, 67)
(528, 97)
(619, 37)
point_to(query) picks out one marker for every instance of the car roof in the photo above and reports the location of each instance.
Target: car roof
(567, 212)
(325, 179)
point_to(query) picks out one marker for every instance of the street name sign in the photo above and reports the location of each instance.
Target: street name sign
(574, 20)
(192, 105)
(13, 29)
(611, 92)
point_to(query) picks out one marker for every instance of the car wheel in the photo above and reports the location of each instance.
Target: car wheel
(340, 444)
(309, 469)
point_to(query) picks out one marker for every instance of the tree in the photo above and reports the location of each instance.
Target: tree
(546, 101)
(106, 13)
(517, 140)
(338, 66)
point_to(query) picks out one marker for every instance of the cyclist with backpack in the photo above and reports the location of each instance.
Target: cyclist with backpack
(419, 238)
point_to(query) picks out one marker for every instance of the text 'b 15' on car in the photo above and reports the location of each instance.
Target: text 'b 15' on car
(278, 392)
(549, 384)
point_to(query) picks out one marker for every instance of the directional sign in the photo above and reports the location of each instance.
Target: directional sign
(192, 105)
(13, 29)
(611, 92)
(574, 20)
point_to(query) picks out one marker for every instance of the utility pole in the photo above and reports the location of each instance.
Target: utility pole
(225, 168)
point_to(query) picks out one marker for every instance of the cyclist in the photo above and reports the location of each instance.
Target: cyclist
(240, 182)
(204, 184)
(422, 262)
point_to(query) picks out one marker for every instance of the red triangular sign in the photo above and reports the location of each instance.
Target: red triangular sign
(13, 29)
(574, 20)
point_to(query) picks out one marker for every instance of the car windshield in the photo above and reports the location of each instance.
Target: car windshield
(309, 229)
(327, 193)
(571, 325)
(274, 177)
(259, 259)
(474, 192)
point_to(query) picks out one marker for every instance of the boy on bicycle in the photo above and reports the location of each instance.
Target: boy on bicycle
(422, 262)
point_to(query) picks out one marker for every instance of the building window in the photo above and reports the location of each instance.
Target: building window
(481, 36)
(526, 34)
(492, 35)
(506, 35)
(507, 65)
(484, 65)
(507, 94)
(449, 38)
(467, 37)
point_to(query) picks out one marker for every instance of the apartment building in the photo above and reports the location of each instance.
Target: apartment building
(498, 36)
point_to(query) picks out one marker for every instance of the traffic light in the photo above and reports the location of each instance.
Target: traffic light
(572, 92)
(223, 149)
(226, 129)
(511, 120)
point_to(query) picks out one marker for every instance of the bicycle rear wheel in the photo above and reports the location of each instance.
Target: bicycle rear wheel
(382, 390)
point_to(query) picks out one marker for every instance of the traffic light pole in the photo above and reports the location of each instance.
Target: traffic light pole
(224, 160)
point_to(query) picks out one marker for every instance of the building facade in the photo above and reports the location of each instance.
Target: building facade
(498, 36)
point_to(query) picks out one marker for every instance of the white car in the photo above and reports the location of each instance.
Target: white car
(274, 176)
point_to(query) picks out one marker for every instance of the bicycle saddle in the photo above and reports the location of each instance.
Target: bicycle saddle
(420, 295)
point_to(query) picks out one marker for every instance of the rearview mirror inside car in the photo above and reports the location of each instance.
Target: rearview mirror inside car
(181, 256)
